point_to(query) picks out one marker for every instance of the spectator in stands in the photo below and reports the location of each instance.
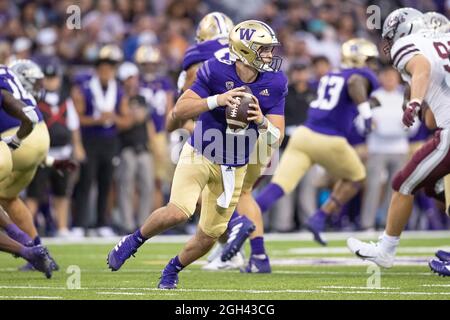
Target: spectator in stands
(387, 145)
(102, 109)
(135, 172)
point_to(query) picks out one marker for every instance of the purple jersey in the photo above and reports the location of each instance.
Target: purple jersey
(333, 112)
(155, 94)
(210, 136)
(204, 51)
(10, 83)
(355, 137)
(93, 107)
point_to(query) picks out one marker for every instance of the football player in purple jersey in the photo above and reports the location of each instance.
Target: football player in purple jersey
(211, 164)
(26, 135)
(212, 42)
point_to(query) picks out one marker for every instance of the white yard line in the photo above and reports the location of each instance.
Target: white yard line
(353, 273)
(160, 292)
(338, 261)
(297, 236)
(34, 287)
(296, 291)
(358, 288)
(437, 285)
(122, 293)
(30, 297)
(344, 250)
(151, 291)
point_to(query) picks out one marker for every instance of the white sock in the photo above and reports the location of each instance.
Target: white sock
(389, 243)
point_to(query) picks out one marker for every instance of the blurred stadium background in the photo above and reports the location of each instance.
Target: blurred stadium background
(311, 33)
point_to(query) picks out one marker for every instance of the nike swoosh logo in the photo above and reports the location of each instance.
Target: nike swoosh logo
(363, 256)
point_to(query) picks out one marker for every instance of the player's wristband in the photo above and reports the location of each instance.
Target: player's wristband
(272, 132)
(364, 110)
(211, 101)
(263, 123)
(49, 161)
(31, 114)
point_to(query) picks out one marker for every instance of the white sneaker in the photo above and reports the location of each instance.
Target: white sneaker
(63, 234)
(77, 233)
(216, 251)
(106, 232)
(217, 264)
(371, 252)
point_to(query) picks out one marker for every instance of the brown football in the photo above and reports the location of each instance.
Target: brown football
(237, 114)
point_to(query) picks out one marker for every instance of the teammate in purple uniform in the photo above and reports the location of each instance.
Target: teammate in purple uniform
(210, 164)
(212, 41)
(322, 139)
(23, 130)
(37, 256)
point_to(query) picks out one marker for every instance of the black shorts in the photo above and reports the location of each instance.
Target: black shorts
(48, 180)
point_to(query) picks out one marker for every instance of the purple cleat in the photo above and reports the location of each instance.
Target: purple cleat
(443, 255)
(126, 248)
(316, 225)
(39, 259)
(258, 264)
(169, 279)
(30, 267)
(239, 230)
(440, 267)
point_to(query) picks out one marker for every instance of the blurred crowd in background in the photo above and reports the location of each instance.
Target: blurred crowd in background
(105, 198)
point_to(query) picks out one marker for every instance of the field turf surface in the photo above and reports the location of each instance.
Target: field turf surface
(301, 270)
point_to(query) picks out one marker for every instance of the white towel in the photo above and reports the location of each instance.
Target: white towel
(103, 102)
(228, 181)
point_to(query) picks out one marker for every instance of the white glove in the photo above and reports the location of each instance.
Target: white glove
(31, 114)
(13, 142)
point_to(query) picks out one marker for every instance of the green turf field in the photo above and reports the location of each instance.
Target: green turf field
(301, 270)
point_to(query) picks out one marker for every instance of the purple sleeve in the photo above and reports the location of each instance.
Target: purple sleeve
(200, 85)
(192, 56)
(278, 107)
(4, 84)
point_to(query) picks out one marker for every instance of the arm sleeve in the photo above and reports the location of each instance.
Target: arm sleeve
(73, 122)
(278, 106)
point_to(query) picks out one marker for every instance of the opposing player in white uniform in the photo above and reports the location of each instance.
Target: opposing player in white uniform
(422, 58)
